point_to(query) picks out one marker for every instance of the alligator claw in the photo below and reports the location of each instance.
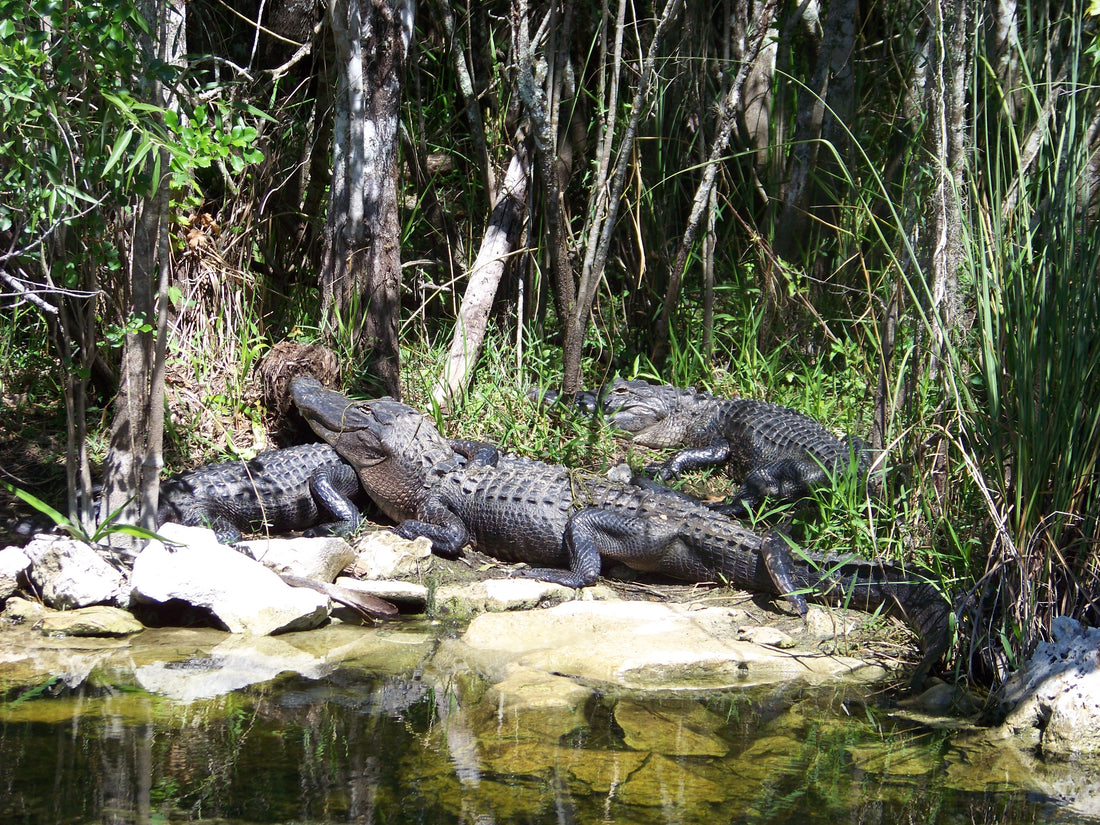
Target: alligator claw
(776, 554)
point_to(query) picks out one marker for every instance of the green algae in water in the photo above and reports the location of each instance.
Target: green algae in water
(353, 746)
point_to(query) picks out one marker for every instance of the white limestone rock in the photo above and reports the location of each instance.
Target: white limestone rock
(382, 554)
(97, 621)
(643, 645)
(1054, 699)
(321, 559)
(13, 562)
(497, 595)
(70, 574)
(244, 595)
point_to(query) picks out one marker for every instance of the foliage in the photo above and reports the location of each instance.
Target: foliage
(991, 435)
(1035, 261)
(60, 158)
(107, 527)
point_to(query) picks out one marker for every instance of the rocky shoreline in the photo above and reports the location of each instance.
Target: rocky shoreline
(68, 607)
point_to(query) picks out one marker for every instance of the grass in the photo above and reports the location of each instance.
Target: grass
(993, 460)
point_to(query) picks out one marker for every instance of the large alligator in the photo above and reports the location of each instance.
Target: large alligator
(564, 523)
(278, 491)
(774, 451)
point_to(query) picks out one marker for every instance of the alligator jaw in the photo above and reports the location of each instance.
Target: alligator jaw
(326, 411)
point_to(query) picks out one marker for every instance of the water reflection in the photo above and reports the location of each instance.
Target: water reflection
(354, 745)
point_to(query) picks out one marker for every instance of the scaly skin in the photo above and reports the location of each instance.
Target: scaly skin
(549, 517)
(774, 451)
(278, 491)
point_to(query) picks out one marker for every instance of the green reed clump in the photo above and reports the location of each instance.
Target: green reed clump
(1035, 260)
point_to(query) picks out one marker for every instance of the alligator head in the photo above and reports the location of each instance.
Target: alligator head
(655, 415)
(395, 450)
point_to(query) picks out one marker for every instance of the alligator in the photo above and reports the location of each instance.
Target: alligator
(563, 524)
(278, 491)
(775, 452)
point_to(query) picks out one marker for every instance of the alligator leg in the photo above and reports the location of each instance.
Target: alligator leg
(476, 453)
(785, 480)
(593, 533)
(692, 459)
(447, 532)
(225, 531)
(329, 489)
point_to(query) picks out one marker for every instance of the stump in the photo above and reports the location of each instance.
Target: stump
(286, 360)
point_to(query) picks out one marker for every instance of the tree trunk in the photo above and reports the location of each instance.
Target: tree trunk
(945, 139)
(497, 247)
(361, 268)
(731, 107)
(131, 469)
(607, 211)
(539, 104)
(829, 95)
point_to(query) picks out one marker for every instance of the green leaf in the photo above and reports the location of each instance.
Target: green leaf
(120, 103)
(129, 530)
(38, 504)
(155, 182)
(121, 144)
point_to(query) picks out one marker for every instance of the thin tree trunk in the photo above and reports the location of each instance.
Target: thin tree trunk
(538, 103)
(131, 469)
(710, 245)
(497, 247)
(361, 267)
(731, 106)
(599, 242)
(947, 107)
(1004, 46)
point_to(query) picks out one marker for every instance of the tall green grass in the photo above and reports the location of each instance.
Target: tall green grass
(1034, 253)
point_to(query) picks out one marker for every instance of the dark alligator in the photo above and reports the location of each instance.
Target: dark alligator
(278, 491)
(774, 451)
(551, 518)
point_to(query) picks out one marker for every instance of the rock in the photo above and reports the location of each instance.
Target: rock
(23, 611)
(322, 558)
(382, 554)
(13, 562)
(532, 703)
(642, 645)
(99, 620)
(941, 699)
(648, 787)
(193, 663)
(233, 662)
(407, 595)
(764, 635)
(1054, 699)
(672, 728)
(242, 594)
(69, 574)
(828, 624)
(497, 595)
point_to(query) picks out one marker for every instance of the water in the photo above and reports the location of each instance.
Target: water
(373, 742)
